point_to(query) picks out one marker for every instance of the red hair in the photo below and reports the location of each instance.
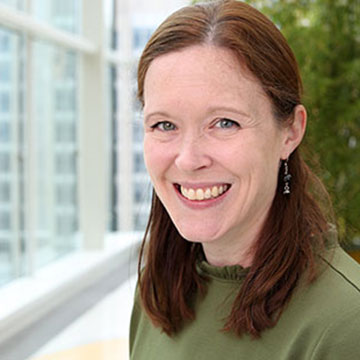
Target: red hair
(293, 232)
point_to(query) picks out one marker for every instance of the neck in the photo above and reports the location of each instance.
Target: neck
(237, 246)
(227, 252)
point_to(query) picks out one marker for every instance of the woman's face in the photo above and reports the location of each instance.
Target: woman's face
(212, 146)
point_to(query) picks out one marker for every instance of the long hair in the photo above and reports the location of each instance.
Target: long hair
(293, 233)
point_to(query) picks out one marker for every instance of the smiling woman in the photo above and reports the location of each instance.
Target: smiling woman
(235, 240)
(199, 126)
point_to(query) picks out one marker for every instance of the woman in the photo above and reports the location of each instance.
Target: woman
(240, 262)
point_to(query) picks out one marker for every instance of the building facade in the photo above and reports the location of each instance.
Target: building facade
(71, 163)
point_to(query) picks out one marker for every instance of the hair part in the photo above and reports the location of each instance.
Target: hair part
(293, 233)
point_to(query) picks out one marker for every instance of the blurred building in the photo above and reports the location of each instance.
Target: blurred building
(40, 132)
(133, 23)
(72, 176)
(38, 161)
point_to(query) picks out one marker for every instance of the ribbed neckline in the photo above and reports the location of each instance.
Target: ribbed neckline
(232, 272)
(237, 272)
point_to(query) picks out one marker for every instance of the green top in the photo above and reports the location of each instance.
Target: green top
(321, 321)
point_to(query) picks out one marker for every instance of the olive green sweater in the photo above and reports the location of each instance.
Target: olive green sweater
(321, 321)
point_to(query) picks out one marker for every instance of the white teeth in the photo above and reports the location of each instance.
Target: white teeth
(184, 191)
(215, 191)
(207, 194)
(201, 194)
(191, 194)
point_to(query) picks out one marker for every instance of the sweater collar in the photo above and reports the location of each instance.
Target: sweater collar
(232, 272)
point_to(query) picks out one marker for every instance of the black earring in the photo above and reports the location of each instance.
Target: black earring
(287, 178)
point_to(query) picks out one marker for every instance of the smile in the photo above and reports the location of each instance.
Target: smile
(201, 194)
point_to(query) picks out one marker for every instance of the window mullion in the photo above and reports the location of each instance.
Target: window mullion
(30, 165)
(125, 119)
(93, 164)
(21, 21)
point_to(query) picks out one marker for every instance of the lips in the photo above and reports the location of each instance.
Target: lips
(202, 193)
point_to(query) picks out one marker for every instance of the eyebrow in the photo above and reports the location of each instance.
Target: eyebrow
(213, 109)
(156, 113)
(210, 110)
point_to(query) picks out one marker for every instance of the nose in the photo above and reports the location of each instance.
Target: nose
(193, 155)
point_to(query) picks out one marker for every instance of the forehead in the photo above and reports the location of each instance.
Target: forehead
(200, 74)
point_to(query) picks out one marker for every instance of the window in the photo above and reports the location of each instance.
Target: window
(139, 164)
(4, 102)
(4, 71)
(63, 14)
(4, 130)
(39, 102)
(11, 55)
(127, 194)
(16, 4)
(57, 134)
(66, 194)
(5, 192)
(4, 162)
(4, 220)
(141, 36)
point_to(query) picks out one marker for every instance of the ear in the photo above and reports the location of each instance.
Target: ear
(294, 133)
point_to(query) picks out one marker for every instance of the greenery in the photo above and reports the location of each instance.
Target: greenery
(325, 36)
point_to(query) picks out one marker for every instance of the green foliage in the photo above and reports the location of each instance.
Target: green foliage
(325, 36)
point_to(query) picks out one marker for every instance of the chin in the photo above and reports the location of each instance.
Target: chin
(198, 234)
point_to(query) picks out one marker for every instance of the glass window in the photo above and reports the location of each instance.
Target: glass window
(4, 220)
(138, 131)
(4, 71)
(65, 99)
(4, 131)
(4, 102)
(141, 36)
(112, 109)
(5, 260)
(16, 4)
(110, 26)
(139, 193)
(65, 194)
(66, 225)
(4, 192)
(141, 220)
(4, 41)
(65, 131)
(139, 165)
(55, 102)
(63, 14)
(11, 107)
(65, 163)
(4, 162)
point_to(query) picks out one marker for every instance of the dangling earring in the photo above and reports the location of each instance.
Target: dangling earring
(287, 178)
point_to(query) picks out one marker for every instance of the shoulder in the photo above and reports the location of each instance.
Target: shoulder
(340, 338)
(341, 272)
(135, 317)
(337, 287)
(323, 317)
(336, 296)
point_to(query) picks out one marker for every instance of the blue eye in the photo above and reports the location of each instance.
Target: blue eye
(226, 124)
(164, 126)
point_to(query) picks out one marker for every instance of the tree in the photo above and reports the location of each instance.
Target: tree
(325, 36)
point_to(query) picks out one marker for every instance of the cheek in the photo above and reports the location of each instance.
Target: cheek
(156, 158)
(258, 161)
(150, 157)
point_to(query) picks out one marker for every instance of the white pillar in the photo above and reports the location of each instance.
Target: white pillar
(93, 160)
(125, 118)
